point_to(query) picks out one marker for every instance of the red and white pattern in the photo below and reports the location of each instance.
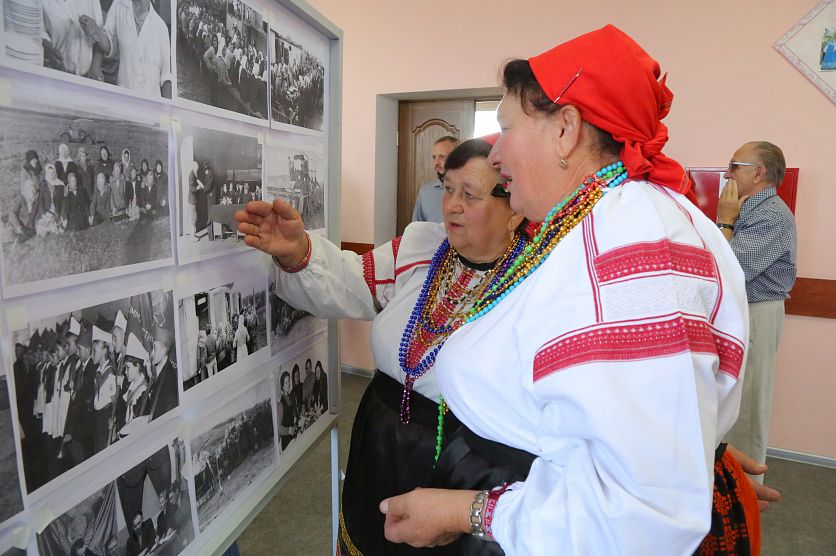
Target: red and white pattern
(654, 257)
(649, 338)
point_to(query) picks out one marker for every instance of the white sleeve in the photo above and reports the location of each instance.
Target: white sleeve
(111, 28)
(340, 284)
(627, 434)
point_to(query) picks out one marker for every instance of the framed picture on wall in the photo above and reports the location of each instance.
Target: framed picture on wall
(810, 46)
(296, 173)
(94, 42)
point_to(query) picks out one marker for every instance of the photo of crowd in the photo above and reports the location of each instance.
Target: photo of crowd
(301, 392)
(86, 379)
(80, 194)
(288, 325)
(218, 173)
(222, 55)
(122, 42)
(297, 176)
(297, 83)
(235, 445)
(144, 511)
(221, 327)
(11, 502)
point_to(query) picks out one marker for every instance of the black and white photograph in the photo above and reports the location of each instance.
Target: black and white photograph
(122, 43)
(218, 174)
(297, 81)
(11, 502)
(232, 448)
(288, 325)
(82, 197)
(222, 327)
(301, 392)
(296, 174)
(222, 55)
(88, 378)
(146, 510)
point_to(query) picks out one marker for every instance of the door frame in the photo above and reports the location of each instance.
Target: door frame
(386, 151)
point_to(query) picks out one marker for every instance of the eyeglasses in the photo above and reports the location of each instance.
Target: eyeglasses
(499, 190)
(733, 163)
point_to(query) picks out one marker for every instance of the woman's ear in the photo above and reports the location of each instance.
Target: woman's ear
(569, 123)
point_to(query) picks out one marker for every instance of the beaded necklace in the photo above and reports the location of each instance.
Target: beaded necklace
(435, 317)
(560, 220)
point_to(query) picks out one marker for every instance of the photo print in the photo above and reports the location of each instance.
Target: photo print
(11, 502)
(222, 327)
(94, 39)
(828, 49)
(232, 448)
(88, 378)
(288, 325)
(301, 392)
(146, 510)
(297, 80)
(218, 173)
(296, 174)
(222, 55)
(82, 196)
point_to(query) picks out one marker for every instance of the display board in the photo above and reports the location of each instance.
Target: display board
(154, 389)
(709, 182)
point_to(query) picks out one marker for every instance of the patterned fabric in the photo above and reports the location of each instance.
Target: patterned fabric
(765, 245)
(735, 518)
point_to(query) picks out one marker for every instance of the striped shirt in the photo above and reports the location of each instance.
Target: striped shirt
(765, 245)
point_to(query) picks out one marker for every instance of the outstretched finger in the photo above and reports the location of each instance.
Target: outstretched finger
(285, 211)
(248, 229)
(247, 216)
(261, 208)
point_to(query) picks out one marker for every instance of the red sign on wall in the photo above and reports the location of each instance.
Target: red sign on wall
(708, 183)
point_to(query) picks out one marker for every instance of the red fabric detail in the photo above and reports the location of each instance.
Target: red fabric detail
(654, 256)
(368, 272)
(490, 507)
(615, 84)
(396, 245)
(404, 268)
(591, 252)
(636, 340)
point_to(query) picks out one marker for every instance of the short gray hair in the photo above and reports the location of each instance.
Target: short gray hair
(772, 158)
(450, 138)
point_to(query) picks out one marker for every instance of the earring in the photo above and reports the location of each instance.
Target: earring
(563, 163)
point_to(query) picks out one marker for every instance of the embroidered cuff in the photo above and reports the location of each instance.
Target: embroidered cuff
(490, 506)
(302, 264)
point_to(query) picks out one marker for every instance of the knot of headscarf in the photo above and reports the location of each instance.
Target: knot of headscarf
(616, 86)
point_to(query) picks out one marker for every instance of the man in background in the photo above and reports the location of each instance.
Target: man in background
(761, 231)
(428, 204)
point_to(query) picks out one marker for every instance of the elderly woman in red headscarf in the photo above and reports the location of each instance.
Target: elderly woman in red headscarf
(596, 381)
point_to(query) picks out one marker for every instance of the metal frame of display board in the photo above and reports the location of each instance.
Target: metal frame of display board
(216, 538)
(223, 535)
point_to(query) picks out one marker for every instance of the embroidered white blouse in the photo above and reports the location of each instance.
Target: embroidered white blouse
(618, 364)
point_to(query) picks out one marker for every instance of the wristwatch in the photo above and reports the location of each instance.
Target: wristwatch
(723, 225)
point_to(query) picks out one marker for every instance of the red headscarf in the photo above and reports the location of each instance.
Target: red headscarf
(615, 85)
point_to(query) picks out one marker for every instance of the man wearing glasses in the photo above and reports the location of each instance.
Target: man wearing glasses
(761, 231)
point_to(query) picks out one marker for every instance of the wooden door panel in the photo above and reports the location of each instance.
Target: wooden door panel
(420, 124)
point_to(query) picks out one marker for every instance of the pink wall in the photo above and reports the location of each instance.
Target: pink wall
(730, 84)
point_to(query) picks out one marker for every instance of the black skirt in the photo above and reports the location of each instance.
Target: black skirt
(386, 458)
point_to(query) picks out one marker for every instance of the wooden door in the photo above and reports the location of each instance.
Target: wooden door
(419, 125)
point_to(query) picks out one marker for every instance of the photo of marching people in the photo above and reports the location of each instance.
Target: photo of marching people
(10, 499)
(233, 447)
(222, 55)
(297, 176)
(83, 193)
(301, 392)
(288, 325)
(144, 511)
(86, 379)
(222, 327)
(121, 42)
(297, 83)
(218, 173)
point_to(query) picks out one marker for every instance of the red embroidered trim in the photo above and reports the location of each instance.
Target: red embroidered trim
(637, 340)
(396, 244)
(368, 272)
(490, 506)
(654, 256)
(591, 251)
(410, 265)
